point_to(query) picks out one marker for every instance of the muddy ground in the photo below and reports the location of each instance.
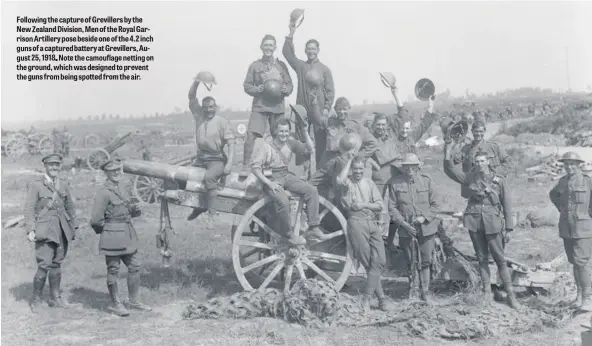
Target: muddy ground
(202, 269)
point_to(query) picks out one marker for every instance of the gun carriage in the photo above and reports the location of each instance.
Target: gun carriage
(97, 156)
(261, 257)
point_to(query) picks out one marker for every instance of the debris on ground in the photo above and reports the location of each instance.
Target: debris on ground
(315, 304)
(13, 221)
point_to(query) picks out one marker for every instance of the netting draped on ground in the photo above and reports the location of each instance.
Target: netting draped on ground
(316, 304)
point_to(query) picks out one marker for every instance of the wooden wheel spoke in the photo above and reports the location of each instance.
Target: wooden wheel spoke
(250, 253)
(271, 276)
(288, 278)
(265, 227)
(298, 218)
(254, 244)
(144, 188)
(314, 267)
(260, 263)
(323, 214)
(327, 256)
(300, 270)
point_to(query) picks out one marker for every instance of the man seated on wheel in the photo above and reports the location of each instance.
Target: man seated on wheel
(277, 155)
(212, 133)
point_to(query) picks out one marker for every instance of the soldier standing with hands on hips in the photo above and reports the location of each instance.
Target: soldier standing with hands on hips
(572, 197)
(50, 222)
(111, 217)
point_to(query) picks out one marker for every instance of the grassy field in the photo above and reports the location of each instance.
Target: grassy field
(202, 269)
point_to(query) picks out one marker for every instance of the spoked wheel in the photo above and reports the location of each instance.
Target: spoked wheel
(91, 141)
(147, 189)
(45, 146)
(264, 258)
(96, 158)
(16, 147)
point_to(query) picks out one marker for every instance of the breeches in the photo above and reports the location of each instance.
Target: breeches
(50, 255)
(426, 248)
(578, 251)
(113, 263)
(368, 247)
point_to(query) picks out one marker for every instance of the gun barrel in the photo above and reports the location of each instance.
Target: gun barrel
(161, 170)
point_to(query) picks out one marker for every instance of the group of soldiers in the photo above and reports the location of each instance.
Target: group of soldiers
(366, 173)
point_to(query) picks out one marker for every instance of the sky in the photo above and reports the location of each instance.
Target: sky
(480, 46)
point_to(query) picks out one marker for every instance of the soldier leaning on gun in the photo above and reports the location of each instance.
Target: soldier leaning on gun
(111, 217)
(50, 222)
(572, 197)
(412, 206)
(362, 201)
(488, 217)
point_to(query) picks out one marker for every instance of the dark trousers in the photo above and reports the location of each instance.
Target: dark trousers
(297, 186)
(484, 244)
(114, 262)
(214, 171)
(426, 249)
(49, 256)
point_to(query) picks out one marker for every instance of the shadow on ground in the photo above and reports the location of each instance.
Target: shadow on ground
(90, 299)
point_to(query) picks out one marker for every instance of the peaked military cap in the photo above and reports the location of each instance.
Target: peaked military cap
(112, 165)
(55, 157)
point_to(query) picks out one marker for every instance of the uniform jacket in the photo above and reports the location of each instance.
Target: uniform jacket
(499, 160)
(494, 210)
(111, 217)
(409, 199)
(325, 94)
(259, 72)
(571, 196)
(61, 214)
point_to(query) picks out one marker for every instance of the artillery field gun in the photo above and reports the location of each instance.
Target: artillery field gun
(261, 257)
(17, 144)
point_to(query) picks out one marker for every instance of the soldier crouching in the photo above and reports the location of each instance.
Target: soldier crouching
(50, 221)
(111, 218)
(572, 197)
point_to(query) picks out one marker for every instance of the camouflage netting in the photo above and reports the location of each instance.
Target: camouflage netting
(464, 316)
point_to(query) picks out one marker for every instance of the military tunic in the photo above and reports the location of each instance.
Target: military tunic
(54, 222)
(572, 198)
(409, 198)
(499, 160)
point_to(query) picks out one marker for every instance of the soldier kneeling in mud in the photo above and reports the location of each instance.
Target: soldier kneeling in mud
(111, 217)
(362, 202)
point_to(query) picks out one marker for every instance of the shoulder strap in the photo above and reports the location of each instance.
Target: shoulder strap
(55, 196)
(279, 151)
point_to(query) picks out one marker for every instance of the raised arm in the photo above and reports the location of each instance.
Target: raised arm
(290, 53)
(329, 89)
(425, 122)
(194, 105)
(453, 171)
(249, 84)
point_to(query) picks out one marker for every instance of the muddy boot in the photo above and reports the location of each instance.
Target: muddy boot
(577, 303)
(133, 286)
(37, 299)
(116, 307)
(504, 274)
(55, 279)
(383, 303)
(195, 213)
(424, 280)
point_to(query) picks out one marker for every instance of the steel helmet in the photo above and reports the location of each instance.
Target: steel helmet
(572, 156)
(314, 77)
(207, 78)
(272, 90)
(424, 89)
(296, 17)
(410, 159)
(350, 141)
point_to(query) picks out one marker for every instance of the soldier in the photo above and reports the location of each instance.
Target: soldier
(412, 206)
(210, 146)
(268, 81)
(277, 155)
(50, 222)
(335, 127)
(572, 197)
(146, 155)
(488, 217)
(362, 201)
(500, 161)
(314, 80)
(66, 137)
(111, 217)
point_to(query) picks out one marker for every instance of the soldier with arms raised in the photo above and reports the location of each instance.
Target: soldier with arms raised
(111, 217)
(212, 134)
(573, 199)
(50, 222)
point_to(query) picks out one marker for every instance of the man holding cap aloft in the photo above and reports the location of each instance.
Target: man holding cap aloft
(111, 217)
(50, 222)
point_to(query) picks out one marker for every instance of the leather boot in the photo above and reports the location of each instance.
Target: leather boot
(383, 303)
(55, 278)
(424, 279)
(577, 303)
(195, 213)
(584, 278)
(508, 287)
(37, 299)
(116, 307)
(133, 286)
